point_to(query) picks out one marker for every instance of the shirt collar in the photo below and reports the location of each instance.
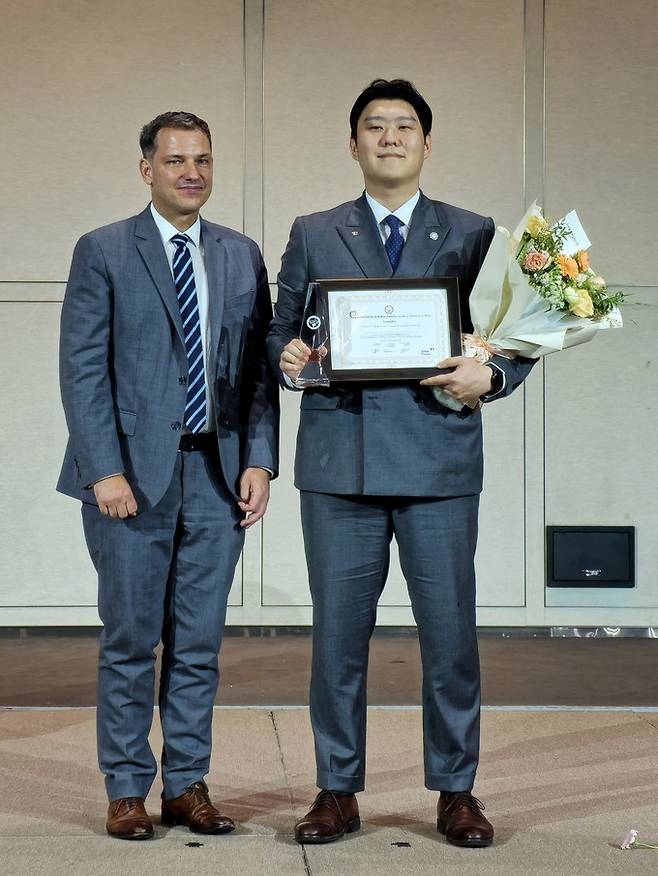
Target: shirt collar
(167, 230)
(403, 213)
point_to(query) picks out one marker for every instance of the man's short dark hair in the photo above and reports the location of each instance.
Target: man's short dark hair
(392, 89)
(176, 119)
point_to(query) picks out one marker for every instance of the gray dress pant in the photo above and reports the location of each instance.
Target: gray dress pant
(163, 575)
(347, 542)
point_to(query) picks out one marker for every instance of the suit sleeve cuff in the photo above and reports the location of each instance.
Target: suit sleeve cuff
(499, 383)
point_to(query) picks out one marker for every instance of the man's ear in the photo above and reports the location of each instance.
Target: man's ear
(428, 145)
(354, 152)
(146, 171)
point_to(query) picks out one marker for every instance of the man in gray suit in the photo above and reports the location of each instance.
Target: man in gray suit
(172, 413)
(383, 459)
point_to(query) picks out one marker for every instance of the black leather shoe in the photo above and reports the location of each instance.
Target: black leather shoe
(460, 818)
(127, 819)
(331, 816)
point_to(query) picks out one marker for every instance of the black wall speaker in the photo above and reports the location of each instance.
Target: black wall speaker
(590, 556)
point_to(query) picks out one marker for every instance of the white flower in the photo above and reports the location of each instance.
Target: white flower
(628, 840)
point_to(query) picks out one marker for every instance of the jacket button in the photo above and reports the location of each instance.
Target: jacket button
(182, 380)
(175, 426)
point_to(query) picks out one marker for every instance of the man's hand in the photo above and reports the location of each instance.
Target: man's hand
(293, 358)
(115, 498)
(469, 380)
(255, 494)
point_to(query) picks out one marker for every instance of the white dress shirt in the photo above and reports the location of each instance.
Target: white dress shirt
(167, 231)
(403, 213)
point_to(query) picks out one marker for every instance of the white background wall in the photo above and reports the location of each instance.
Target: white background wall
(550, 100)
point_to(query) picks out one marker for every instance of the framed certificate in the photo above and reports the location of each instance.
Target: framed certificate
(389, 329)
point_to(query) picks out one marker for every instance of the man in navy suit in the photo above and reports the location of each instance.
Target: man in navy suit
(172, 414)
(378, 460)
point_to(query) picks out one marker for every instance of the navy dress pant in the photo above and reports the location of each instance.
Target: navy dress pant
(347, 541)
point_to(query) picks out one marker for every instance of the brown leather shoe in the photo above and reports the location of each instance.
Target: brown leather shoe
(460, 818)
(331, 816)
(194, 810)
(127, 819)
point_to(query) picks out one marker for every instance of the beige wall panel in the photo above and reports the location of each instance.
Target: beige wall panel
(601, 466)
(44, 557)
(466, 58)
(285, 581)
(32, 292)
(80, 79)
(499, 560)
(601, 129)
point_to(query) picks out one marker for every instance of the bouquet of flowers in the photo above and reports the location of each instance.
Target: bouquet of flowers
(562, 277)
(536, 293)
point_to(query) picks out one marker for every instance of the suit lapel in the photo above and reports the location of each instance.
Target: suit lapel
(360, 235)
(215, 260)
(424, 241)
(149, 244)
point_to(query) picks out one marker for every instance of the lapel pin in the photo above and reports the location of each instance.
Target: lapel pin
(355, 234)
(434, 235)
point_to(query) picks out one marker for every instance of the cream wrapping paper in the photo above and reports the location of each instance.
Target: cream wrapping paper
(509, 318)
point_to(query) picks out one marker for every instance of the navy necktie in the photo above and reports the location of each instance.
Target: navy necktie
(195, 404)
(395, 241)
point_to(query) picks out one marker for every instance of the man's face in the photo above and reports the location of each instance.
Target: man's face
(179, 173)
(389, 144)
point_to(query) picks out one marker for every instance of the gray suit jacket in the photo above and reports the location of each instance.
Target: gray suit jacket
(384, 439)
(123, 368)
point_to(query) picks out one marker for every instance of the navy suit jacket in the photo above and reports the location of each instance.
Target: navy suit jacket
(123, 367)
(383, 439)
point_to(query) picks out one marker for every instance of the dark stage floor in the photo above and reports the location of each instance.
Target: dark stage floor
(60, 670)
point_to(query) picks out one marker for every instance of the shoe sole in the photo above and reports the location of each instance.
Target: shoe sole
(173, 822)
(351, 827)
(466, 843)
(136, 837)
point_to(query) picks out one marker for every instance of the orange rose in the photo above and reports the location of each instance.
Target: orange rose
(582, 258)
(568, 266)
(536, 261)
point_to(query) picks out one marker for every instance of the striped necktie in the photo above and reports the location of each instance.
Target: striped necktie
(395, 240)
(195, 405)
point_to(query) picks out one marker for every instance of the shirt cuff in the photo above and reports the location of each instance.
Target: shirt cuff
(264, 468)
(104, 478)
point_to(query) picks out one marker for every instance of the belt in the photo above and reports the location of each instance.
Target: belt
(198, 441)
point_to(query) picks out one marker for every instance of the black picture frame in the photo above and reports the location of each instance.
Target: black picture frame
(391, 284)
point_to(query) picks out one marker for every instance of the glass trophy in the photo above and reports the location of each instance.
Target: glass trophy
(314, 332)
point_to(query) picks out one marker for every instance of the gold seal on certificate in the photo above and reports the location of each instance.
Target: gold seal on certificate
(389, 329)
